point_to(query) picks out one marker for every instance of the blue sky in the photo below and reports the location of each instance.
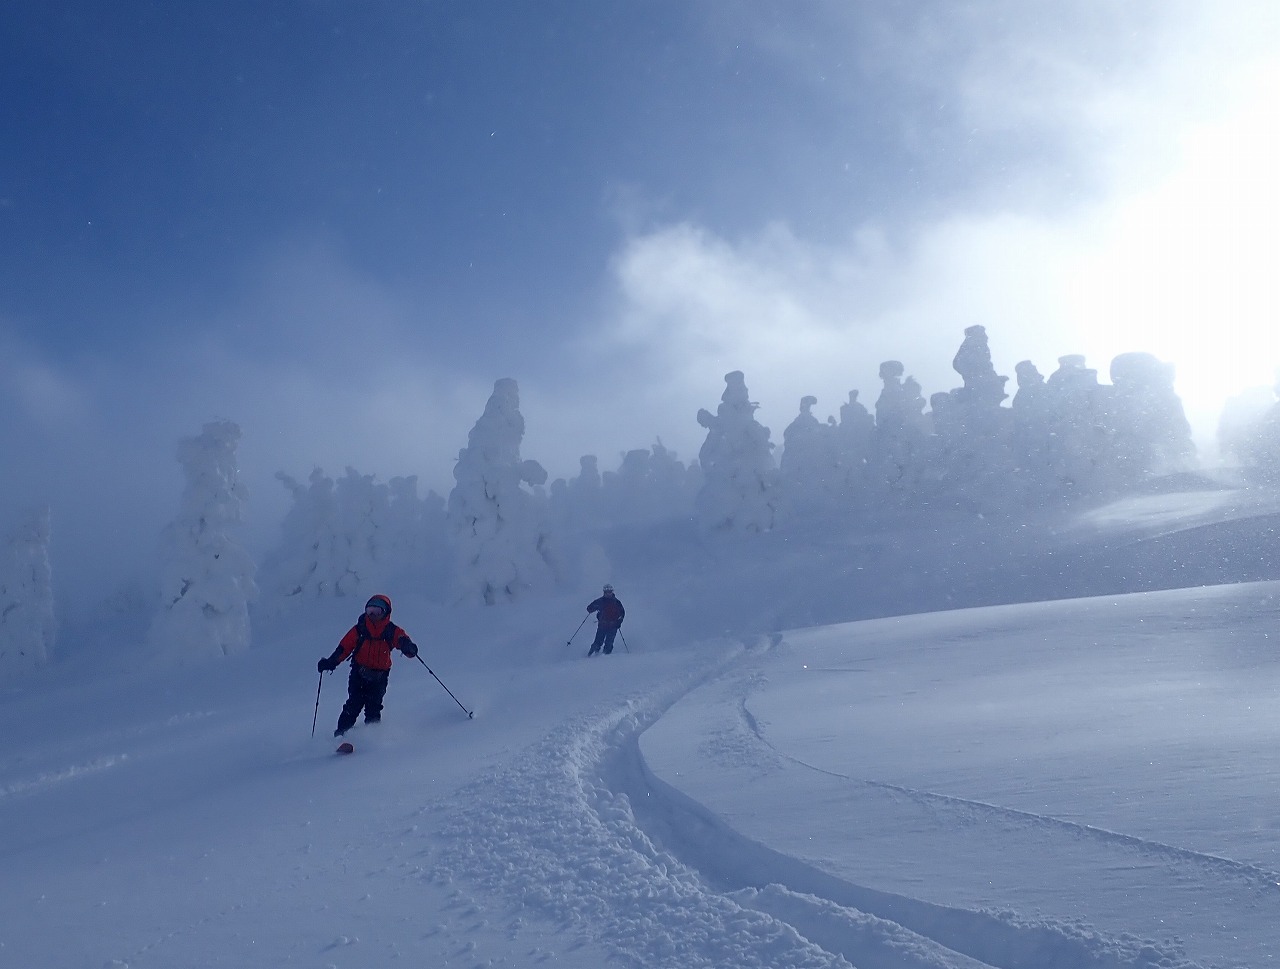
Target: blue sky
(481, 162)
(337, 224)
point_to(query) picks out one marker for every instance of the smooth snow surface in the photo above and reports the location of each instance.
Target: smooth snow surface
(1040, 785)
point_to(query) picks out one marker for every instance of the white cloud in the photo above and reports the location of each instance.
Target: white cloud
(47, 397)
(43, 394)
(1174, 252)
(800, 319)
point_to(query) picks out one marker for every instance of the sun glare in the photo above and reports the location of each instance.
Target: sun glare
(1188, 269)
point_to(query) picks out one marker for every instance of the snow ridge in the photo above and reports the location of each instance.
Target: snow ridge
(876, 928)
(1215, 865)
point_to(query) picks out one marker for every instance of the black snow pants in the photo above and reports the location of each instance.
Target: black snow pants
(605, 636)
(365, 689)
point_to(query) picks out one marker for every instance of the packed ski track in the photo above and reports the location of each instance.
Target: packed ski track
(556, 833)
(576, 830)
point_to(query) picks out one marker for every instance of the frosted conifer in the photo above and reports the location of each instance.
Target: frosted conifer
(498, 527)
(207, 580)
(740, 491)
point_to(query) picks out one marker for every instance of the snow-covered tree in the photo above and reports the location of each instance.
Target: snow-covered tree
(673, 485)
(504, 549)
(740, 490)
(207, 580)
(1249, 430)
(578, 504)
(982, 385)
(812, 472)
(855, 440)
(1079, 409)
(973, 459)
(650, 485)
(625, 491)
(1032, 429)
(311, 559)
(1152, 434)
(901, 451)
(27, 624)
(411, 537)
(351, 536)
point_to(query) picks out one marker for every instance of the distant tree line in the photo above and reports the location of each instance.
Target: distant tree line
(504, 533)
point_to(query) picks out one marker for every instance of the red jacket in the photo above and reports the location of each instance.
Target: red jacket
(375, 651)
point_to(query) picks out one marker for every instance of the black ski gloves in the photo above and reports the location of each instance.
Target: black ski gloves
(409, 648)
(330, 662)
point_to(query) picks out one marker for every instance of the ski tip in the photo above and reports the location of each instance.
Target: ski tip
(345, 748)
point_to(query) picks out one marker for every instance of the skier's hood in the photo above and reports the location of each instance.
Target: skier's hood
(380, 600)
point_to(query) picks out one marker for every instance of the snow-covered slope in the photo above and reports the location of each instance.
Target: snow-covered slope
(1103, 763)
(1072, 783)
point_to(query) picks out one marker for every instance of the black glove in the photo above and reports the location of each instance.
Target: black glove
(409, 648)
(324, 666)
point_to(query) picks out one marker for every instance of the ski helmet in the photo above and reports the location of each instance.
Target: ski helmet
(381, 602)
(608, 588)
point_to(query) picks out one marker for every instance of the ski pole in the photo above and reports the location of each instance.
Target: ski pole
(624, 640)
(316, 715)
(446, 689)
(579, 629)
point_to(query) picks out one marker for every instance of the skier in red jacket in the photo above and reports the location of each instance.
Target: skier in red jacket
(369, 644)
(609, 616)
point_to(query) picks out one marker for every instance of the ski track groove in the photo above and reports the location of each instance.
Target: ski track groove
(1217, 865)
(548, 834)
(59, 776)
(103, 761)
(556, 831)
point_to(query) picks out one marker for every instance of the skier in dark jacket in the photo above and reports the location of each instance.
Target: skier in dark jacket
(609, 616)
(369, 644)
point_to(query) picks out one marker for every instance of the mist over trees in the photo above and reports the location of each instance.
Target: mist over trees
(340, 537)
(984, 448)
(506, 533)
(1249, 431)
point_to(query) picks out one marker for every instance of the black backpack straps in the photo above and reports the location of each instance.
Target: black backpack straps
(362, 634)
